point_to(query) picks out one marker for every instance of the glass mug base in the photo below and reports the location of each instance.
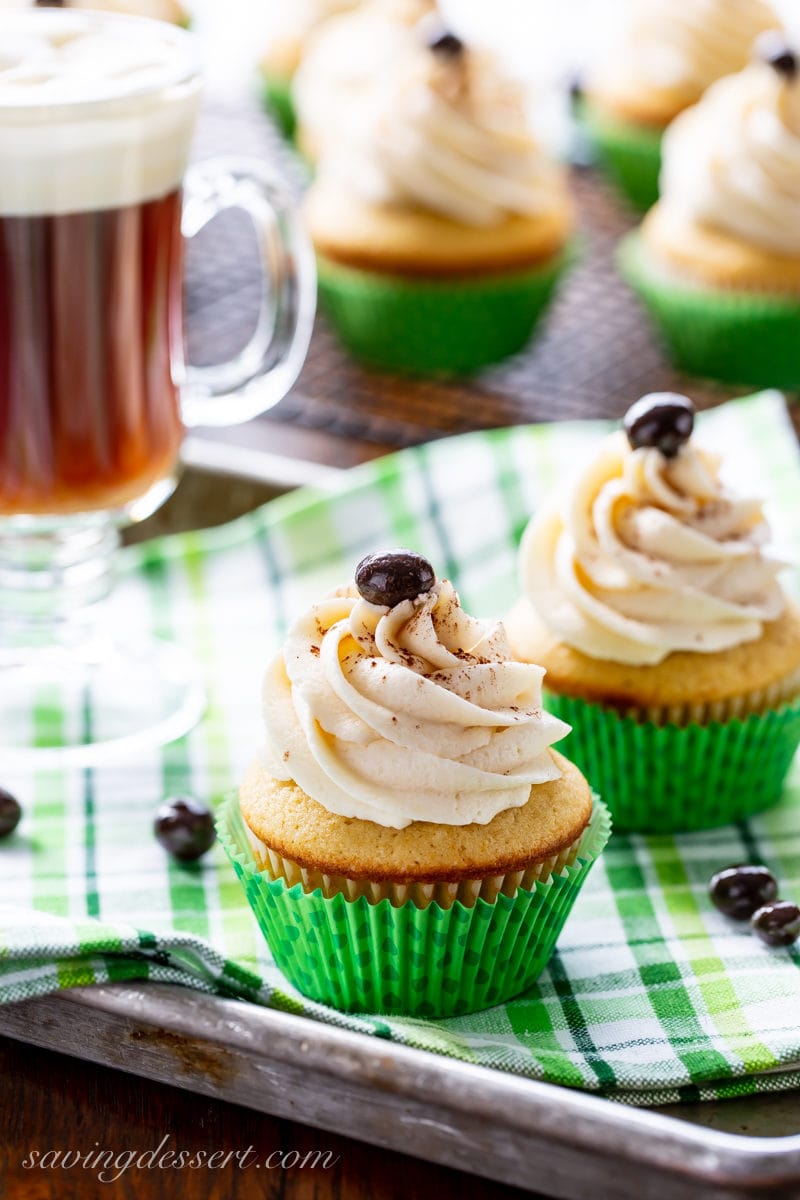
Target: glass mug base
(80, 685)
(104, 703)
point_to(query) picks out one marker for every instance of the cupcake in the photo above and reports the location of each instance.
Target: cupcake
(341, 63)
(440, 225)
(664, 58)
(299, 20)
(669, 645)
(408, 841)
(717, 260)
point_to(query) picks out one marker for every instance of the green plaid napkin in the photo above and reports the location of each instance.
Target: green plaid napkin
(652, 996)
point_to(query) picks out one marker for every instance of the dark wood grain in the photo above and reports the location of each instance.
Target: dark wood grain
(49, 1101)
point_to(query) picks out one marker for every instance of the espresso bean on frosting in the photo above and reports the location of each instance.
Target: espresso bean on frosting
(396, 575)
(776, 52)
(662, 420)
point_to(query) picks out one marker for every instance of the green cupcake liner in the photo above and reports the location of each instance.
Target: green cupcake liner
(433, 326)
(670, 779)
(630, 154)
(276, 93)
(431, 962)
(738, 337)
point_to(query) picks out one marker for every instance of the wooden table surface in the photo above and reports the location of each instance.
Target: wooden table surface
(51, 1102)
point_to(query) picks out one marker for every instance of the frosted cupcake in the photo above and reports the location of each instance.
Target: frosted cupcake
(669, 645)
(440, 224)
(342, 61)
(299, 20)
(717, 261)
(664, 58)
(409, 842)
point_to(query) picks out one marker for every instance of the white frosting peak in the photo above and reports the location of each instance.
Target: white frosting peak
(414, 713)
(733, 161)
(645, 555)
(679, 47)
(341, 61)
(446, 133)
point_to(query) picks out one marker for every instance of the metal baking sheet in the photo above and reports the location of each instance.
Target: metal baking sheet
(534, 1135)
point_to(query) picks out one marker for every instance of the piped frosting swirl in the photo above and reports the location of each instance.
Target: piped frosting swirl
(733, 161)
(668, 53)
(446, 133)
(644, 555)
(412, 713)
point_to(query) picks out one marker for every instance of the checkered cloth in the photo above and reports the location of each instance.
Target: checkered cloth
(652, 995)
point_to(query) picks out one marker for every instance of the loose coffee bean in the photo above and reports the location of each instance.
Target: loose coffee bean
(777, 924)
(739, 890)
(184, 827)
(10, 813)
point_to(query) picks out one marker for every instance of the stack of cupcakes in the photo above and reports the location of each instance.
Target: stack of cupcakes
(409, 842)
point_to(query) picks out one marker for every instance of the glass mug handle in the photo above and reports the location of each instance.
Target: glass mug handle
(263, 371)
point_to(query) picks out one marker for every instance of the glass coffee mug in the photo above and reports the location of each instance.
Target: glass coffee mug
(97, 114)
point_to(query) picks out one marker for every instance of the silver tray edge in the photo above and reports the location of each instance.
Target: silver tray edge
(142, 1028)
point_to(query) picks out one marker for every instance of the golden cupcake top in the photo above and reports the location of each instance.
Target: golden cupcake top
(668, 53)
(732, 163)
(648, 552)
(443, 130)
(389, 703)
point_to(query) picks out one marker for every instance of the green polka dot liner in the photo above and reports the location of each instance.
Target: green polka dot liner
(436, 326)
(630, 155)
(739, 337)
(666, 778)
(361, 956)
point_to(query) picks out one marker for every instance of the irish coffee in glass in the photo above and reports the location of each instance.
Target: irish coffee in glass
(97, 114)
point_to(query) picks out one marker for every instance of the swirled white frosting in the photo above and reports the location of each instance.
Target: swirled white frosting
(733, 161)
(448, 135)
(680, 47)
(341, 62)
(411, 713)
(646, 555)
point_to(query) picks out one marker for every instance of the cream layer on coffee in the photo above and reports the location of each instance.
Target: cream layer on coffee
(96, 111)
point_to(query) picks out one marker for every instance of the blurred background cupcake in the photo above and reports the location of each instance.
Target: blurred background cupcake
(342, 60)
(440, 223)
(669, 645)
(666, 55)
(409, 842)
(717, 260)
(297, 22)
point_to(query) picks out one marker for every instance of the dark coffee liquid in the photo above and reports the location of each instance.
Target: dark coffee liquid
(90, 332)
